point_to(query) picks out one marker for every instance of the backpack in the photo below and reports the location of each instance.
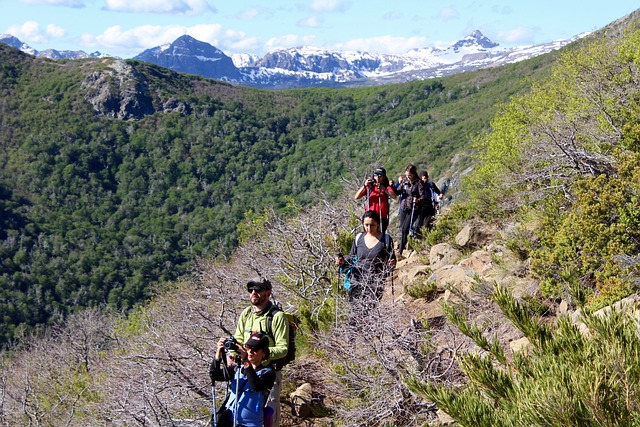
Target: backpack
(293, 328)
(346, 282)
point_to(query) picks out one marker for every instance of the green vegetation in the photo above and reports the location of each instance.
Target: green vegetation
(569, 148)
(569, 151)
(96, 209)
(564, 378)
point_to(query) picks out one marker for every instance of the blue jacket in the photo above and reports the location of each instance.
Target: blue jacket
(253, 389)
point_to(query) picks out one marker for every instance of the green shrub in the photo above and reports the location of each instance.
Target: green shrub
(422, 289)
(582, 244)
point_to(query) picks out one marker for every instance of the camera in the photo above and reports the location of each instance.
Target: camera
(230, 344)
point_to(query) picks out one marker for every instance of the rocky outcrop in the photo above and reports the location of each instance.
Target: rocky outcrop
(121, 92)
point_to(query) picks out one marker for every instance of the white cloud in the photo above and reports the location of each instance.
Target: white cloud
(180, 7)
(127, 43)
(311, 22)
(249, 14)
(383, 44)
(448, 13)
(330, 5)
(29, 31)
(55, 31)
(288, 41)
(517, 35)
(76, 4)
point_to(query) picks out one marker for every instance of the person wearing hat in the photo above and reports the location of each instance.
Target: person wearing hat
(245, 403)
(412, 199)
(255, 319)
(378, 190)
(432, 205)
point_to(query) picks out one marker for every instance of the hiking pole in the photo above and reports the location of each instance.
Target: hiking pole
(380, 206)
(235, 404)
(393, 298)
(214, 421)
(413, 206)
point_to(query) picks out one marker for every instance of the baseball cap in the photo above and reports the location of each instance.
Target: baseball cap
(259, 283)
(257, 341)
(380, 172)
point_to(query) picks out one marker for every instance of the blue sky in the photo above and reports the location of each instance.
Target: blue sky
(127, 27)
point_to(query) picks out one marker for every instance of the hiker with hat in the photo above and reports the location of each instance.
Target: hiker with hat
(432, 204)
(249, 388)
(378, 189)
(412, 197)
(264, 316)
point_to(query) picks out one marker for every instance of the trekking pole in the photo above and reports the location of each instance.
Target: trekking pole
(214, 421)
(366, 205)
(413, 206)
(380, 208)
(235, 404)
(214, 410)
(393, 298)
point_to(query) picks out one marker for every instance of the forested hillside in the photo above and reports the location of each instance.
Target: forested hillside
(118, 174)
(533, 320)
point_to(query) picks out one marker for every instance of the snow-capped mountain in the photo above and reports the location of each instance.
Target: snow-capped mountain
(309, 66)
(48, 53)
(192, 56)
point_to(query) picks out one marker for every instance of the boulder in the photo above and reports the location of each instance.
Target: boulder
(443, 254)
(472, 236)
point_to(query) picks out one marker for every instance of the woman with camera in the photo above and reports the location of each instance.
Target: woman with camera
(250, 384)
(412, 198)
(378, 190)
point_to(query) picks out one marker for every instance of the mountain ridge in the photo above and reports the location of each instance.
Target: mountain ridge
(308, 66)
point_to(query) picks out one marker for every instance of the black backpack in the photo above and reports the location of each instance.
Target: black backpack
(293, 328)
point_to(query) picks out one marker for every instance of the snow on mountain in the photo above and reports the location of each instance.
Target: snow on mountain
(188, 55)
(48, 53)
(15, 42)
(310, 66)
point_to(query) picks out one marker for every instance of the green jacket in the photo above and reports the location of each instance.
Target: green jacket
(251, 321)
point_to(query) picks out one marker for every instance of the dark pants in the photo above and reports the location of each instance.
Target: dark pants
(405, 226)
(385, 224)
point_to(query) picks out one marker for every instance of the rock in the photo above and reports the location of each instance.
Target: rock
(479, 261)
(472, 236)
(444, 418)
(458, 276)
(306, 403)
(443, 254)
(520, 345)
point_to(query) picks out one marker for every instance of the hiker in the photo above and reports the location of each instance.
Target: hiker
(371, 259)
(248, 390)
(412, 198)
(254, 319)
(378, 190)
(432, 201)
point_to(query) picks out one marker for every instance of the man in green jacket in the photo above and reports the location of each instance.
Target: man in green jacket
(255, 318)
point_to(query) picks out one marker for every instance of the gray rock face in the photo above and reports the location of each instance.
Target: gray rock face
(119, 92)
(188, 55)
(122, 93)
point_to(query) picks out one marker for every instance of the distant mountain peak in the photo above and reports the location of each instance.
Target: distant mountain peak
(189, 55)
(304, 66)
(474, 40)
(15, 42)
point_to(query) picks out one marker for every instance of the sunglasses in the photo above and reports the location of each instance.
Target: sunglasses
(257, 290)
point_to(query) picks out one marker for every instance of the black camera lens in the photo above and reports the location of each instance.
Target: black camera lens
(231, 344)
